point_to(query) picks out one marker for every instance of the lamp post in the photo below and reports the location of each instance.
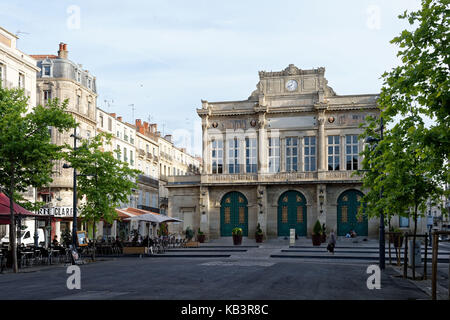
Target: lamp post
(381, 239)
(66, 166)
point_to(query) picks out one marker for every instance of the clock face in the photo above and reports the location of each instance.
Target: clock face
(291, 85)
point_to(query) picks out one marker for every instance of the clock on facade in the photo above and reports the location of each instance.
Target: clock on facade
(291, 85)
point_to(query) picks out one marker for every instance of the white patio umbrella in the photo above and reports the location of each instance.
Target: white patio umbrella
(156, 218)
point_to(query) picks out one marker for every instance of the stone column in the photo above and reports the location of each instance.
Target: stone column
(261, 196)
(262, 145)
(322, 198)
(321, 146)
(205, 147)
(204, 210)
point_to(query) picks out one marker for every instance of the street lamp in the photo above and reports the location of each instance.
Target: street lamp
(382, 239)
(66, 166)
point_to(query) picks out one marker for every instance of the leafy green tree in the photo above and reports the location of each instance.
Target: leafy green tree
(26, 151)
(105, 181)
(410, 165)
(420, 84)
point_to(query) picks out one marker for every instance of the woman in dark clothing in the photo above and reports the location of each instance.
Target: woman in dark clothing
(332, 242)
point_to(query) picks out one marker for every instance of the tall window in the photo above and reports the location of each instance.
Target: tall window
(333, 153)
(21, 80)
(47, 95)
(118, 152)
(291, 153)
(131, 158)
(310, 153)
(2, 75)
(233, 155)
(109, 124)
(217, 156)
(351, 148)
(101, 120)
(125, 158)
(274, 154)
(78, 103)
(250, 155)
(89, 108)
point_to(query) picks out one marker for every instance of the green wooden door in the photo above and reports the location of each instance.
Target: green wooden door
(347, 210)
(291, 213)
(233, 213)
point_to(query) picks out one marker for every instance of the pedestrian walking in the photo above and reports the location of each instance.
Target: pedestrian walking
(331, 242)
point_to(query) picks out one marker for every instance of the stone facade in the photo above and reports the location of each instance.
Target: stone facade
(293, 137)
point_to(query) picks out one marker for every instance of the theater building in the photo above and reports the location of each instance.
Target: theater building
(284, 158)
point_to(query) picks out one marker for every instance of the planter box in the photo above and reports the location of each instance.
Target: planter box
(237, 240)
(316, 240)
(193, 244)
(201, 238)
(135, 250)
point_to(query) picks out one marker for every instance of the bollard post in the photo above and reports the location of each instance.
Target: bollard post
(390, 262)
(405, 258)
(434, 266)
(426, 258)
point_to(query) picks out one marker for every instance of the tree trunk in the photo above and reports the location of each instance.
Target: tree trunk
(94, 236)
(12, 227)
(414, 244)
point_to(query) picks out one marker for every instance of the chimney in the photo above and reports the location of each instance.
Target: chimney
(153, 128)
(119, 118)
(63, 53)
(113, 115)
(168, 137)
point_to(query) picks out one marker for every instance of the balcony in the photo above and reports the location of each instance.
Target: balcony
(141, 153)
(148, 181)
(281, 177)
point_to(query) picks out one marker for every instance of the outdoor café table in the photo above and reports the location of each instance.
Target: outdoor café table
(27, 257)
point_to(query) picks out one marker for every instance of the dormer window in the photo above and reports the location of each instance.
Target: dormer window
(46, 70)
(89, 83)
(78, 76)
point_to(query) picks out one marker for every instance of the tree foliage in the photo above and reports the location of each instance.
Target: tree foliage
(26, 151)
(104, 181)
(420, 84)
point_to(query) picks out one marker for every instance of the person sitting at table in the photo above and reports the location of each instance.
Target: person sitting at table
(55, 241)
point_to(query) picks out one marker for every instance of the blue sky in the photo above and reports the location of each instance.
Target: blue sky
(165, 56)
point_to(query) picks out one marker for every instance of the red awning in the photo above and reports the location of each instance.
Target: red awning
(5, 211)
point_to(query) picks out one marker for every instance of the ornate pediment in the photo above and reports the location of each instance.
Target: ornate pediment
(291, 70)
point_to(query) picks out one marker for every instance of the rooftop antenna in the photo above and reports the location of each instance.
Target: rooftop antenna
(20, 32)
(108, 103)
(149, 118)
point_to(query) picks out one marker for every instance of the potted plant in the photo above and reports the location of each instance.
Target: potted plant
(237, 236)
(317, 234)
(259, 234)
(189, 233)
(200, 236)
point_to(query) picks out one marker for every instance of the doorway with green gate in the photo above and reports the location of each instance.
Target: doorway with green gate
(348, 205)
(292, 213)
(233, 213)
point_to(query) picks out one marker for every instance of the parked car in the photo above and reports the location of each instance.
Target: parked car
(26, 237)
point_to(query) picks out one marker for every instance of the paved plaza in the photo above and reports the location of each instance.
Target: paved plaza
(245, 272)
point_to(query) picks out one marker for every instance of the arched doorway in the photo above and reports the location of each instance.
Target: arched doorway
(347, 210)
(233, 213)
(291, 213)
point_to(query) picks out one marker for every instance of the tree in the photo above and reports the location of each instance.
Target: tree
(410, 164)
(26, 151)
(420, 83)
(104, 181)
